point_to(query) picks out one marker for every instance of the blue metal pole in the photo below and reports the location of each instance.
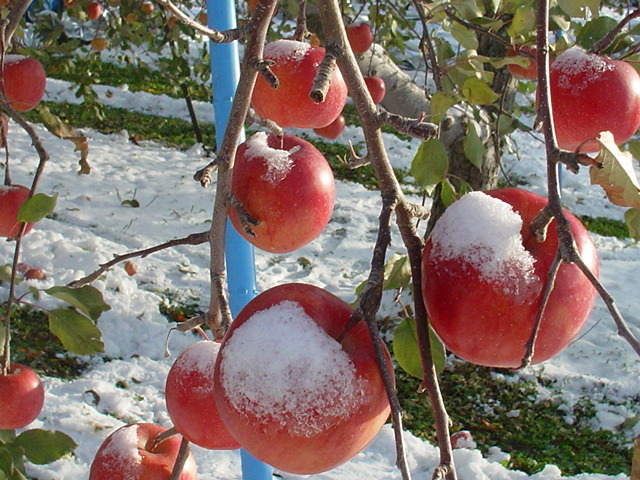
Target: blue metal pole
(241, 277)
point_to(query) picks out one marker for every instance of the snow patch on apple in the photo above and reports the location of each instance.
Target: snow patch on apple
(199, 358)
(573, 62)
(122, 450)
(280, 365)
(286, 50)
(484, 233)
(279, 162)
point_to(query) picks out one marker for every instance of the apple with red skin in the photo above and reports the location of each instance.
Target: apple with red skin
(333, 130)
(377, 88)
(483, 306)
(296, 65)
(129, 453)
(94, 10)
(592, 94)
(21, 397)
(360, 36)
(24, 81)
(529, 72)
(287, 185)
(11, 199)
(293, 387)
(189, 395)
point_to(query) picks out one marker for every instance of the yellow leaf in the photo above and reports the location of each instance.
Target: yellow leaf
(615, 173)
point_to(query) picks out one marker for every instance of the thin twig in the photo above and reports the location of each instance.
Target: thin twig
(322, 82)
(301, 21)
(416, 127)
(193, 239)
(181, 459)
(609, 38)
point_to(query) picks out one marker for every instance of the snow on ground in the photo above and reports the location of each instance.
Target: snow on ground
(91, 225)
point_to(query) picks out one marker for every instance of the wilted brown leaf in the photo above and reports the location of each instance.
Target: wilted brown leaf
(615, 173)
(55, 125)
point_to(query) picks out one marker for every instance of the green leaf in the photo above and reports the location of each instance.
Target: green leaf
(465, 36)
(45, 446)
(634, 148)
(478, 92)
(37, 207)
(615, 173)
(7, 436)
(6, 463)
(524, 21)
(397, 272)
(407, 352)
(632, 219)
(77, 333)
(87, 299)
(438, 105)
(447, 193)
(579, 8)
(473, 146)
(594, 30)
(430, 164)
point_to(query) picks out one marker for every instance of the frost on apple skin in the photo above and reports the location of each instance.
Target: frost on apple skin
(121, 453)
(287, 50)
(279, 162)
(280, 366)
(577, 69)
(483, 232)
(197, 359)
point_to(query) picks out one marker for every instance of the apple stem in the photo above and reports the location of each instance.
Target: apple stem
(181, 459)
(566, 244)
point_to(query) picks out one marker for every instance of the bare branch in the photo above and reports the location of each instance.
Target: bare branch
(181, 460)
(609, 38)
(301, 21)
(193, 239)
(263, 67)
(416, 127)
(322, 81)
(247, 221)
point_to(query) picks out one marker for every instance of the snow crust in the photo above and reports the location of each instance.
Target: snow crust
(484, 232)
(286, 50)
(122, 451)
(280, 365)
(575, 61)
(199, 359)
(279, 162)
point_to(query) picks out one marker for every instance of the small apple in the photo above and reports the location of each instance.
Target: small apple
(147, 7)
(592, 94)
(21, 397)
(360, 36)
(377, 88)
(99, 43)
(94, 10)
(11, 198)
(24, 81)
(296, 65)
(287, 185)
(35, 274)
(528, 72)
(295, 388)
(129, 453)
(189, 394)
(463, 439)
(333, 130)
(484, 274)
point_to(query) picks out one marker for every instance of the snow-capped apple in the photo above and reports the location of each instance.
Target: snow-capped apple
(295, 388)
(484, 273)
(190, 400)
(592, 94)
(131, 453)
(24, 81)
(377, 88)
(360, 36)
(333, 130)
(527, 53)
(11, 198)
(287, 185)
(21, 397)
(296, 65)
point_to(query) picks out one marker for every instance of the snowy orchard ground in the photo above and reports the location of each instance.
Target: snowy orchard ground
(91, 225)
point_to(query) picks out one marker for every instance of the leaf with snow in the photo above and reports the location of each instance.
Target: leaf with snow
(615, 173)
(45, 446)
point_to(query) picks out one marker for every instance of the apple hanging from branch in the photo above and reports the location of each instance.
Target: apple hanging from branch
(21, 397)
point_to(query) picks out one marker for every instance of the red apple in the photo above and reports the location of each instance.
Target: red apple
(147, 7)
(529, 72)
(293, 387)
(287, 185)
(360, 36)
(11, 198)
(592, 94)
(94, 10)
(484, 273)
(377, 88)
(333, 130)
(296, 66)
(21, 397)
(191, 404)
(129, 453)
(24, 81)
